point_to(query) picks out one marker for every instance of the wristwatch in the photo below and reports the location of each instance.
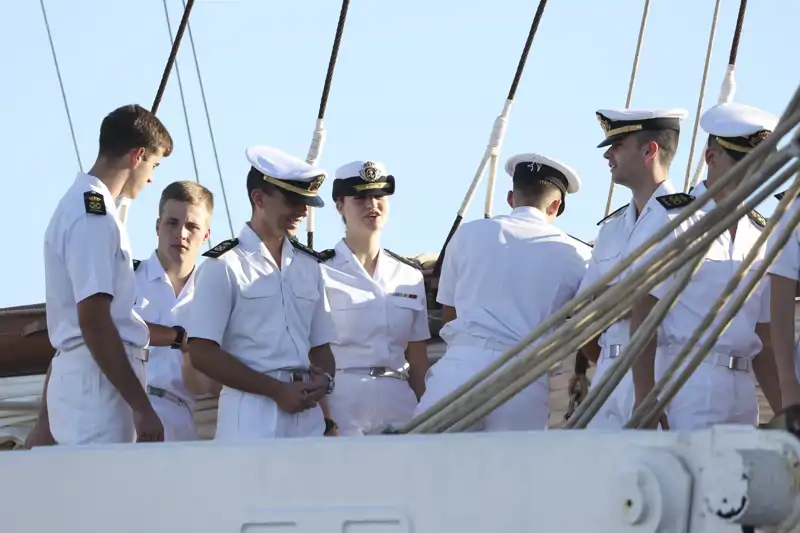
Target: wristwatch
(331, 383)
(180, 333)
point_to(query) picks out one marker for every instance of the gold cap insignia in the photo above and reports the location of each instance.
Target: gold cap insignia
(370, 172)
(756, 138)
(316, 184)
(604, 122)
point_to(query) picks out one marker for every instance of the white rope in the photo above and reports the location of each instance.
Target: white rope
(61, 85)
(726, 94)
(700, 98)
(634, 70)
(314, 153)
(493, 150)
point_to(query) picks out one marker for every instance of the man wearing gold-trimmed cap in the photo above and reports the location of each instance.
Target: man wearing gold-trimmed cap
(641, 144)
(722, 389)
(260, 322)
(502, 277)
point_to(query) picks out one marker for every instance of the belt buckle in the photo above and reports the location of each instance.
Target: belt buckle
(734, 363)
(145, 355)
(297, 375)
(614, 350)
(377, 371)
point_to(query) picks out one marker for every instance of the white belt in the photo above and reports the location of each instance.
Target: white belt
(612, 352)
(137, 352)
(477, 342)
(291, 374)
(731, 362)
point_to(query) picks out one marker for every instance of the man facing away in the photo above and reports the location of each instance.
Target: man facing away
(641, 146)
(260, 322)
(165, 283)
(95, 385)
(722, 389)
(164, 287)
(501, 277)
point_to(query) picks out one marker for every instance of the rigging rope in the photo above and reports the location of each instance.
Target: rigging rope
(61, 84)
(702, 95)
(493, 161)
(183, 104)
(318, 138)
(172, 55)
(123, 203)
(729, 82)
(208, 120)
(495, 139)
(632, 81)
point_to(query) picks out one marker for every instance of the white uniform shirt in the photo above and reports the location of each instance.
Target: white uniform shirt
(505, 275)
(87, 254)
(157, 304)
(618, 237)
(266, 317)
(375, 317)
(787, 263)
(697, 299)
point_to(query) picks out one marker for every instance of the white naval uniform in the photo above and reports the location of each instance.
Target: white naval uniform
(157, 304)
(787, 263)
(504, 276)
(268, 318)
(375, 319)
(87, 254)
(715, 394)
(621, 234)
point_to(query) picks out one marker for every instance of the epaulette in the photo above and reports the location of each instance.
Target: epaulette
(614, 214)
(674, 201)
(410, 262)
(579, 240)
(322, 256)
(780, 195)
(94, 203)
(136, 264)
(757, 218)
(221, 248)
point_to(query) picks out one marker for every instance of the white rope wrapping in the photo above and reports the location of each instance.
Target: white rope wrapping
(492, 149)
(314, 152)
(123, 205)
(487, 208)
(726, 93)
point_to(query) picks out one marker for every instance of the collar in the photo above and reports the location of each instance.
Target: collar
(529, 212)
(154, 268)
(249, 241)
(93, 182)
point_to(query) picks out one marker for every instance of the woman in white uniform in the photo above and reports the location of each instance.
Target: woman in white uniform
(379, 309)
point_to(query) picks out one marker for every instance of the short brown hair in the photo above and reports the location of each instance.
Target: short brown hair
(667, 141)
(130, 127)
(187, 191)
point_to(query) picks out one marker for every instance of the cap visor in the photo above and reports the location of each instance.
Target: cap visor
(611, 140)
(311, 201)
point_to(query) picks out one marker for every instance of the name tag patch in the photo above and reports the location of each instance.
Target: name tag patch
(405, 295)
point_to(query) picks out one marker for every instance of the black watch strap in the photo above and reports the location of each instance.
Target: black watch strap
(180, 333)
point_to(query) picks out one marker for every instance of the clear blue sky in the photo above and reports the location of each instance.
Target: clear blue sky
(418, 85)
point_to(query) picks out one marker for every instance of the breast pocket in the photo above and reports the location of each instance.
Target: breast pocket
(354, 312)
(306, 294)
(261, 303)
(401, 310)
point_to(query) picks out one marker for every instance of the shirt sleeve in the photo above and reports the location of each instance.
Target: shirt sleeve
(420, 328)
(787, 263)
(212, 302)
(446, 293)
(323, 330)
(91, 249)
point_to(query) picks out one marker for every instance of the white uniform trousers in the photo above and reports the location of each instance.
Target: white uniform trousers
(83, 406)
(617, 409)
(245, 417)
(528, 410)
(714, 394)
(362, 404)
(177, 417)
